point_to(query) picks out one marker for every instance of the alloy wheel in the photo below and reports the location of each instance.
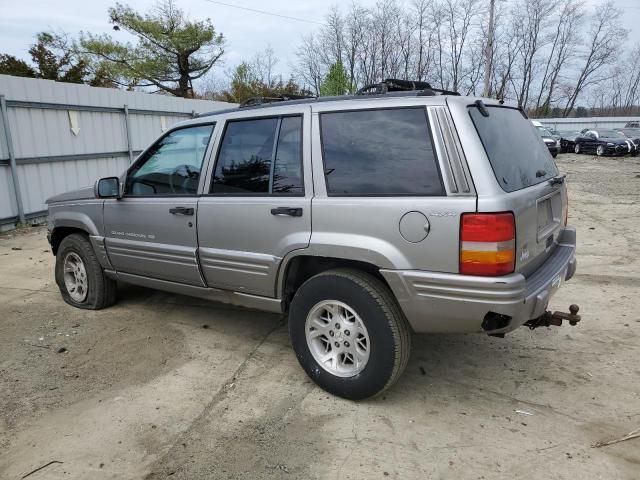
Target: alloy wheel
(337, 338)
(75, 277)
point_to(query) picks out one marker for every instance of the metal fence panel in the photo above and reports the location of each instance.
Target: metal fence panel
(8, 207)
(586, 122)
(64, 136)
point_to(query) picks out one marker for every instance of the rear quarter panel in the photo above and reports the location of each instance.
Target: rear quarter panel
(367, 228)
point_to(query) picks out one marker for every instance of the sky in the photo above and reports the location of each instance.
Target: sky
(246, 32)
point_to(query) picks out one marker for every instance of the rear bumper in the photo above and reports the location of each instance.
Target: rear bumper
(451, 303)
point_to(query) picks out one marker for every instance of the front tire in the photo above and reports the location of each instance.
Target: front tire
(576, 149)
(80, 277)
(349, 333)
(600, 150)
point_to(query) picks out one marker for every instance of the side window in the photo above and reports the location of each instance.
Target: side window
(287, 172)
(172, 165)
(260, 156)
(379, 152)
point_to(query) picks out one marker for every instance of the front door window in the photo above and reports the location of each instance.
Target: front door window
(172, 165)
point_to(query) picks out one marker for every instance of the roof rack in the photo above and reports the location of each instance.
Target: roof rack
(395, 85)
(253, 101)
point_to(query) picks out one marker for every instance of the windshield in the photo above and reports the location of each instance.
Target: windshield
(543, 132)
(611, 134)
(518, 158)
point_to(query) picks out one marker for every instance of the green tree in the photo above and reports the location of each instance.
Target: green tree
(171, 50)
(52, 59)
(10, 65)
(247, 82)
(336, 82)
(582, 112)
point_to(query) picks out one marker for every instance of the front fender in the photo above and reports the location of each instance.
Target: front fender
(86, 217)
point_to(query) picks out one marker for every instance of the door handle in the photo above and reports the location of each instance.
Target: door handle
(181, 211)
(292, 212)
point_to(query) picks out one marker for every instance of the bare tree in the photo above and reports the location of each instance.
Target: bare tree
(425, 39)
(332, 37)
(309, 69)
(602, 44)
(631, 93)
(565, 39)
(531, 18)
(405, 28)
(460, 17)
(263, 66)
(544, 55)
(355, 31)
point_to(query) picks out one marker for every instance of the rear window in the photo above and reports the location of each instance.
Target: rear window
(518, 157)
(379, 152)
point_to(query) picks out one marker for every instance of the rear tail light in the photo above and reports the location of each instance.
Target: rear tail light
(487, 244)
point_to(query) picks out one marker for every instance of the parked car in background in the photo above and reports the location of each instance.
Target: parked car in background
(552, 143)
(633, 134)
(633, 124)
(605, 142)
(567, 139)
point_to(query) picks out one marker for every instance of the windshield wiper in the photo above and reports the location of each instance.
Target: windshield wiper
(557, 180)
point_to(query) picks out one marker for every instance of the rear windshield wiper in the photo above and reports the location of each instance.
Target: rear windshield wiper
(557, 180)
(479, 104)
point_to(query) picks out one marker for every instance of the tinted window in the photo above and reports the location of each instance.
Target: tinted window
(518, 158)
(379, 152)
(287, 172)
(244, 160)
(172, 165)
(245, 164)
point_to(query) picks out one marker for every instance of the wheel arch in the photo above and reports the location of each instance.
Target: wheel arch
(300, 267)
(59, 233)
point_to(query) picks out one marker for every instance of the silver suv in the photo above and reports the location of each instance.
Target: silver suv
(365, 218)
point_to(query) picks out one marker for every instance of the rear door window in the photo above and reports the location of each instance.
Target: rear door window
(260, 157)
(244, 160)
(379, 152)
(518, 156)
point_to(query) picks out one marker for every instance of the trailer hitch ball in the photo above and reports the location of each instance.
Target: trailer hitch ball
(573, 310)
(547, 319)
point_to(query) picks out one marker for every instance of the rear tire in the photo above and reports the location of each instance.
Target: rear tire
(600, 151)
(350, 319)
(576, 149)
(80, 276)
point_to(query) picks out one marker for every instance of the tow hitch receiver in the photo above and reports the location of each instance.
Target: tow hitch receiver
(547, 319)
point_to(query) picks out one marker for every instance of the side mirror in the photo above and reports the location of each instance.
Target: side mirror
(108, 187)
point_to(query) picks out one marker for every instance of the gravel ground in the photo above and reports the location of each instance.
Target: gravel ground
(167, 386)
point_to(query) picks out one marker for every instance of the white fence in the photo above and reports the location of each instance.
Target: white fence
(586, 122)
(56, 137)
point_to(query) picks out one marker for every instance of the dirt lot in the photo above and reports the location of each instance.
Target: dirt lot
(167, 386)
